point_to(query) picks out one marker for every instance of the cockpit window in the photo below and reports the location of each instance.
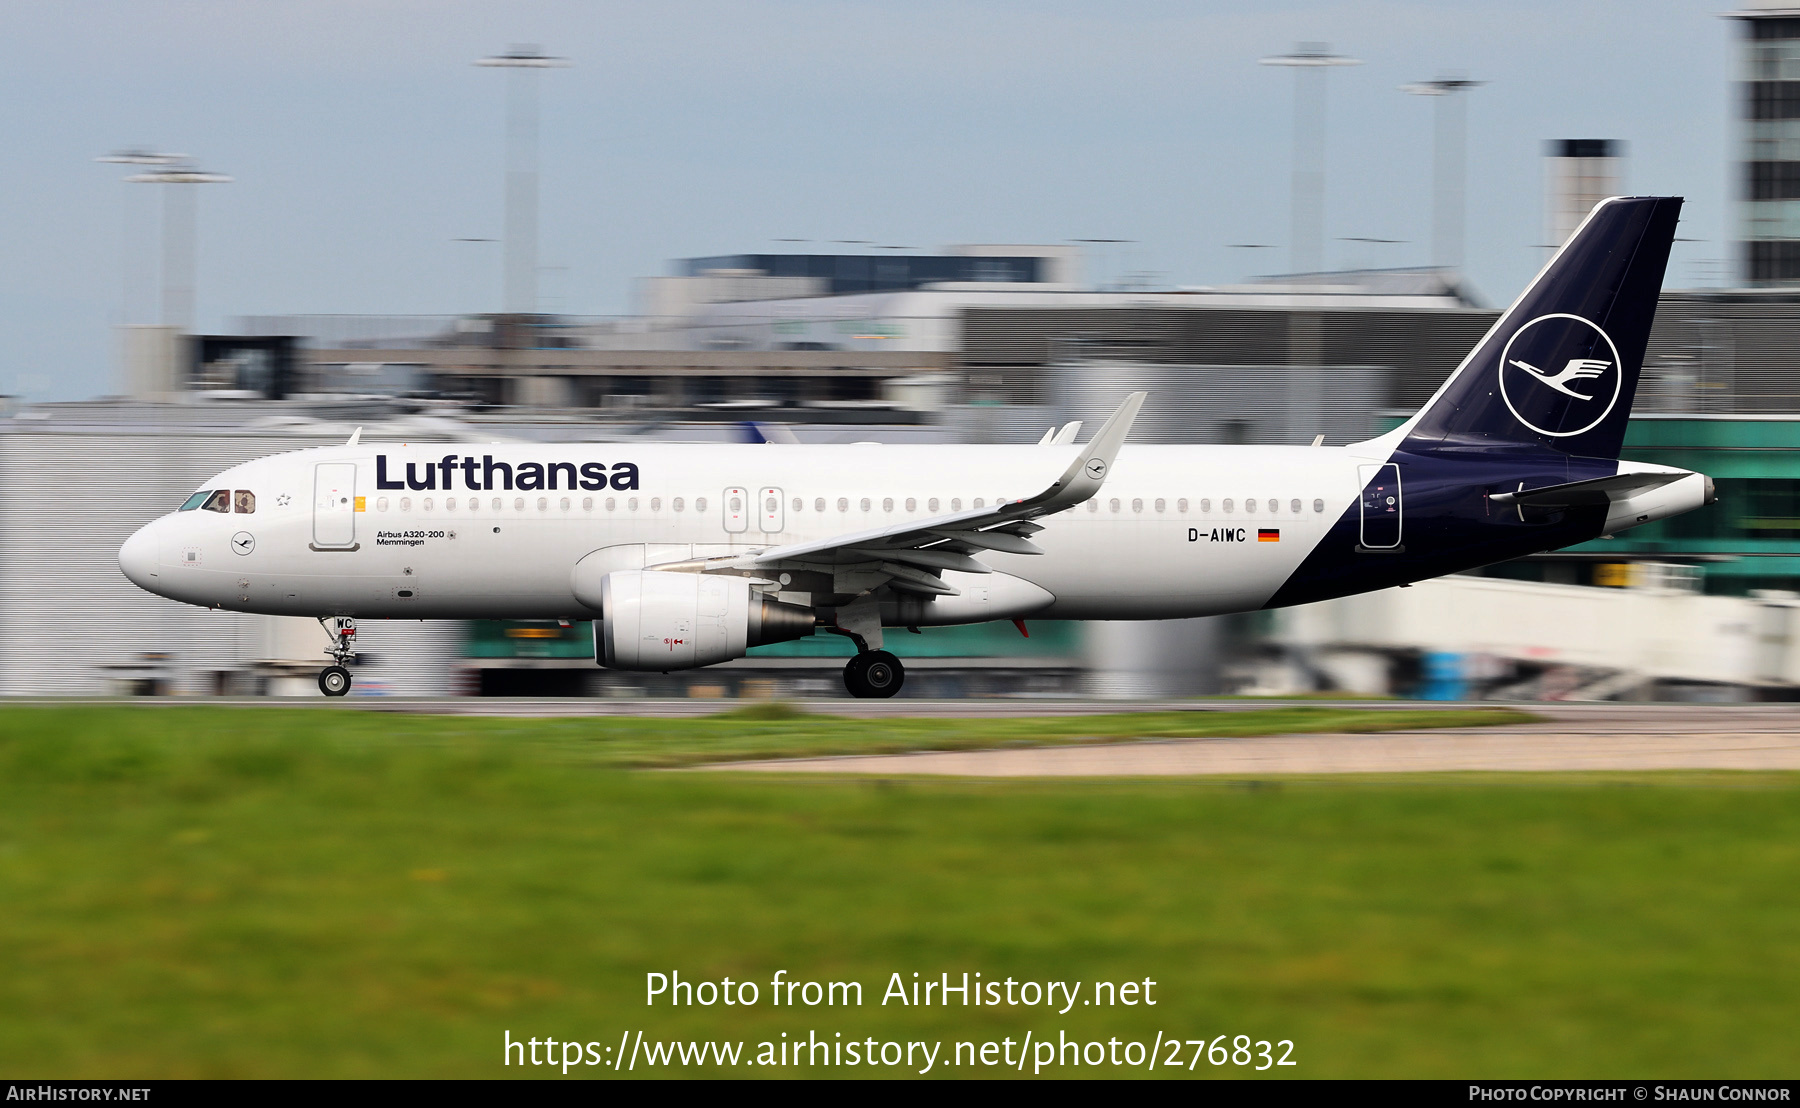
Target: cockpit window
(243, 502)
(195, 500)
(219, 501)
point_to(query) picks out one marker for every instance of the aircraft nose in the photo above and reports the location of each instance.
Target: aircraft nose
(137, 558)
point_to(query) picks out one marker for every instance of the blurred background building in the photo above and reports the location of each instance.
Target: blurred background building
(891, 355)
(1768, 157)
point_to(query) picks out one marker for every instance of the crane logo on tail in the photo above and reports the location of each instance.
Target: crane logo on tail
(1560, 403)
(1578, 369)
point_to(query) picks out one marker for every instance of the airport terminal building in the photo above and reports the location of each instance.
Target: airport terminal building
(980, 344)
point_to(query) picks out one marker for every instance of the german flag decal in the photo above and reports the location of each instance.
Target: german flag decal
(1268, 534)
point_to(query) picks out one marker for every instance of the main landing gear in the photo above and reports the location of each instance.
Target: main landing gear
(334, 679)
(874, 673)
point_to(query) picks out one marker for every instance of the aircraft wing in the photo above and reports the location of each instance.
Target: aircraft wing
(1600, 490)
(910, 555)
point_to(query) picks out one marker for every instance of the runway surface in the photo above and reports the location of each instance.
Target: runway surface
(554, 707)
(1573, 738)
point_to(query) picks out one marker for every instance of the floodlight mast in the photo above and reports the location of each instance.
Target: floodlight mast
(136, 272)
(1309, 61)
(140, 156)
(179, 228)
(1449, 166)
(521, 171)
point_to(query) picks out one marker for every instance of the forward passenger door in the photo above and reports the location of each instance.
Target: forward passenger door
(334, 506)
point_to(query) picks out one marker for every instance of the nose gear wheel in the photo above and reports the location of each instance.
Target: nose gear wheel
(334, 681)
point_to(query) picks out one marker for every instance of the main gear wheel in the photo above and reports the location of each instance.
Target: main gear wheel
(874, 674)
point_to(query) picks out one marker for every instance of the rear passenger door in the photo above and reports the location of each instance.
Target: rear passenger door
(1381, 507)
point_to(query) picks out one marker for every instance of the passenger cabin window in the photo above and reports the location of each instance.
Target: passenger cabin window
(194, 501)
(219, 501)
(243, 502)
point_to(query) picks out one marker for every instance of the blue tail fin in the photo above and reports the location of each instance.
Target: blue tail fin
(1558, 371)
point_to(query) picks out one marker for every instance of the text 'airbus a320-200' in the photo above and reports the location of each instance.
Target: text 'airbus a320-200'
(690, 555)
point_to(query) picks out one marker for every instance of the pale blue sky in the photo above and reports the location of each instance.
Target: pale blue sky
(363, 142)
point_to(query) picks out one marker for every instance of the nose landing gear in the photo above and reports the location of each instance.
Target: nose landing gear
(874, 674)
(334, 680)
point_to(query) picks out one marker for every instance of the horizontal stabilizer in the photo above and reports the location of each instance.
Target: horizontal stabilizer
(1600, 490)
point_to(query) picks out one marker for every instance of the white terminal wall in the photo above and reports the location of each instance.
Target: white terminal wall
(69, 619)
(1660, 633)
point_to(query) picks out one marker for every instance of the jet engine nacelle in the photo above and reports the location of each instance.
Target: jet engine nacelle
(654, 620)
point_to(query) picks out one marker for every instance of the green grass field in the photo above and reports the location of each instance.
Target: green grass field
(219, 892)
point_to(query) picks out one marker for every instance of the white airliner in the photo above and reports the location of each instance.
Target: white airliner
(689, 555)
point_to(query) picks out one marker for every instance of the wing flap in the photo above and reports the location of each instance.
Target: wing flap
(997, 539)
(916, 580)
(931, 557)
